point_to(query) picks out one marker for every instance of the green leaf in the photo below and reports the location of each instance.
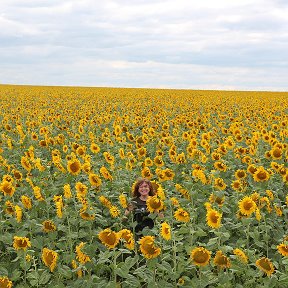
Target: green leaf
(44, 277)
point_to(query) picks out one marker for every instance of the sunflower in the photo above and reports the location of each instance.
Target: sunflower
(247, 206)
(200, 256)
(74, 166)
(21, 243)
(48, 226)
(18, 213)
(85, 215)
(181, 215)
(220, 166)
(265, 265)
(154, 204)
(17, 175)
(276, 153)
(74, 266)
(238, 185)
(114, 211)
(104, 201)
(174, 201)
(158, 161)
(252, 169)
(82, 257)
(26, 201)
(127, 235)
(165, 231)
(37, 193)
(7, 188)
(146, 173)
(148, 162)
(10, 208)
(26, 164)
(182, 190)
(213, 218)
(95, 180)
(283, 249)
(67, 191)
(5, 282)
(240, 174)
(109, 158)
(168, 174)
(240, 255)
(148, 248)
(221, 260)
(219, 184)
(109, 238)
(49, 257)
(261, 175)
(105, 173)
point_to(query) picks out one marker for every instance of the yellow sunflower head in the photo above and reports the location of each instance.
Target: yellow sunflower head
(200, 256)
(148, 248)
(265, 265)
(109, 238)
(247, 206)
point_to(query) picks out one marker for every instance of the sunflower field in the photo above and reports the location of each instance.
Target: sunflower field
(69, 157)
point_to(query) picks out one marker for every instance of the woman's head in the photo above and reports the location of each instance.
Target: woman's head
(141, 183)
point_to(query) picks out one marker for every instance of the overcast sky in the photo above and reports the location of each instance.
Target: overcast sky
(191, 44)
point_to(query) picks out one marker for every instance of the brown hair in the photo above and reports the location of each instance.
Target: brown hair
(135, 191)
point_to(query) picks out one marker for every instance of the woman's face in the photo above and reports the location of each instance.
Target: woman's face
(144, 189)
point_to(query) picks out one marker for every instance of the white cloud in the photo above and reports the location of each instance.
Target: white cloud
(180, 43)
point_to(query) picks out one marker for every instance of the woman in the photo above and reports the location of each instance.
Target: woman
(142, 190)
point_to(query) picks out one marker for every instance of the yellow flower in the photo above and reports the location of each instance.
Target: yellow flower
(26, 201)
(182, 215)
(174, 201)
(37, 193)
(86, 216)
(94, 148)
(240, 174)
(114, 211)
(26, 164)
(48, 226)
(21, 243)
(241, 255)
(109, 238)
(104, 201)
(5, 282)
(247, 206)
(219, 184)
(221, 260)
(94, 180)
(67, 191)
(213, 218)
(154, 204)
(49, 257)
(148, 248)
(123, 200)
(18, 213)
(105, 173)
(283, 249)
(146, 173)
(261, 175)
(127, 235)
(109, 158)
(74, 266)
(7, 188)
(82, 257)
(200, 256)
(165, 231)
(265, 265)
(74, 166)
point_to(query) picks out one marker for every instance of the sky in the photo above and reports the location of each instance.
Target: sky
(183, 44)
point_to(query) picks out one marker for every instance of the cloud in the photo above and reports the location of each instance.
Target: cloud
(109, 39)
